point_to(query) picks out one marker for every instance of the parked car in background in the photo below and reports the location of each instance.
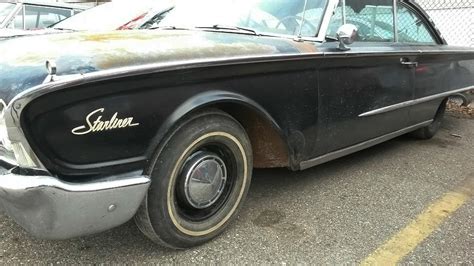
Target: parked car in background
(34, 15)
(118, 15)
(166, 125)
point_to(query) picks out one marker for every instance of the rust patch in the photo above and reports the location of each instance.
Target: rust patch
(304, 47)
(147, 47)
(269, 150)
(115, 36)
(178, 51)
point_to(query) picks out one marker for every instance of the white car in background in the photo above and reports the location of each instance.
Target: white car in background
(118, 15)
(34, 15)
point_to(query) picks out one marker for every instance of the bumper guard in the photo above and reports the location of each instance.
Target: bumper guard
(49, 208)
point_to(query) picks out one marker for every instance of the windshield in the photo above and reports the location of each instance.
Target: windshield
(282, 17)
(5, 10)
(110, 16)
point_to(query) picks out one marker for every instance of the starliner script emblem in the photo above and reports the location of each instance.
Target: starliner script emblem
(99, 125)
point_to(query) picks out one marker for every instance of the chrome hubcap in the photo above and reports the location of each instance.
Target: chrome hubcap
(205, 178)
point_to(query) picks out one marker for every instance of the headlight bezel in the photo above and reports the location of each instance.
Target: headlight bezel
(13, 140)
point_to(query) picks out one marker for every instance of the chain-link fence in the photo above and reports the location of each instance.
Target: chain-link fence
(454, 18)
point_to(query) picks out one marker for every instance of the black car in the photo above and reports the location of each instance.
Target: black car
(166, 125)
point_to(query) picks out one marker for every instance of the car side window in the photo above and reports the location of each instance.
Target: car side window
(6, 10)
(286, 18)
(411, 28)
(282, 17)
(40, 17)
(17, 22)
(374, 20)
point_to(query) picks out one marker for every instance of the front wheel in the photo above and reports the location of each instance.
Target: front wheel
(200, 177)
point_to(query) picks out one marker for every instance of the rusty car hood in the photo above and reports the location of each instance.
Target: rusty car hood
(22, 64)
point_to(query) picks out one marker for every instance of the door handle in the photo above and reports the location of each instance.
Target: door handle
(407, 62)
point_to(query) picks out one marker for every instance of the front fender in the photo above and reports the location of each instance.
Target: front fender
(212, 99)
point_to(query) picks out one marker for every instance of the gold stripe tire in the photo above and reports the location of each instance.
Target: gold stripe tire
(164, 216)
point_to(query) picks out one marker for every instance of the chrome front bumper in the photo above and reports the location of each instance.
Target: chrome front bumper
(52, 209)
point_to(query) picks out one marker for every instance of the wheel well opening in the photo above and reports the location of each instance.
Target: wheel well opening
(442, 107)
(268, 146)
(460, 98)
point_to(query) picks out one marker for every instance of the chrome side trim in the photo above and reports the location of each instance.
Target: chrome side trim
(414, 102)
(358, 147)
(52, 209)
(395, 20)
(356, 53)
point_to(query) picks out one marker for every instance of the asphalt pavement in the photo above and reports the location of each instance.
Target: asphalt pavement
(339, 212)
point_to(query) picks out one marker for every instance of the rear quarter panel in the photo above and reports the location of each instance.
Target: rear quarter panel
(441, 69)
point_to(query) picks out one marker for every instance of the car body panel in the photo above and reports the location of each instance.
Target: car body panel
(305, 75)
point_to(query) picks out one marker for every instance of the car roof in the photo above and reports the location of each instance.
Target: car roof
(46, 3)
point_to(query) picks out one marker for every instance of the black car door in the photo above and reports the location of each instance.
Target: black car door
(434, 69)
(356, 86)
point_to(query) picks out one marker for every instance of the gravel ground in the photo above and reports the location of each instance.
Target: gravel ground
(335, 213)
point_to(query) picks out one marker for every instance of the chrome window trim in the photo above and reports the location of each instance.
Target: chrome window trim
(395, 20)
(414, 102)
(344, 16)
(323, 28)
